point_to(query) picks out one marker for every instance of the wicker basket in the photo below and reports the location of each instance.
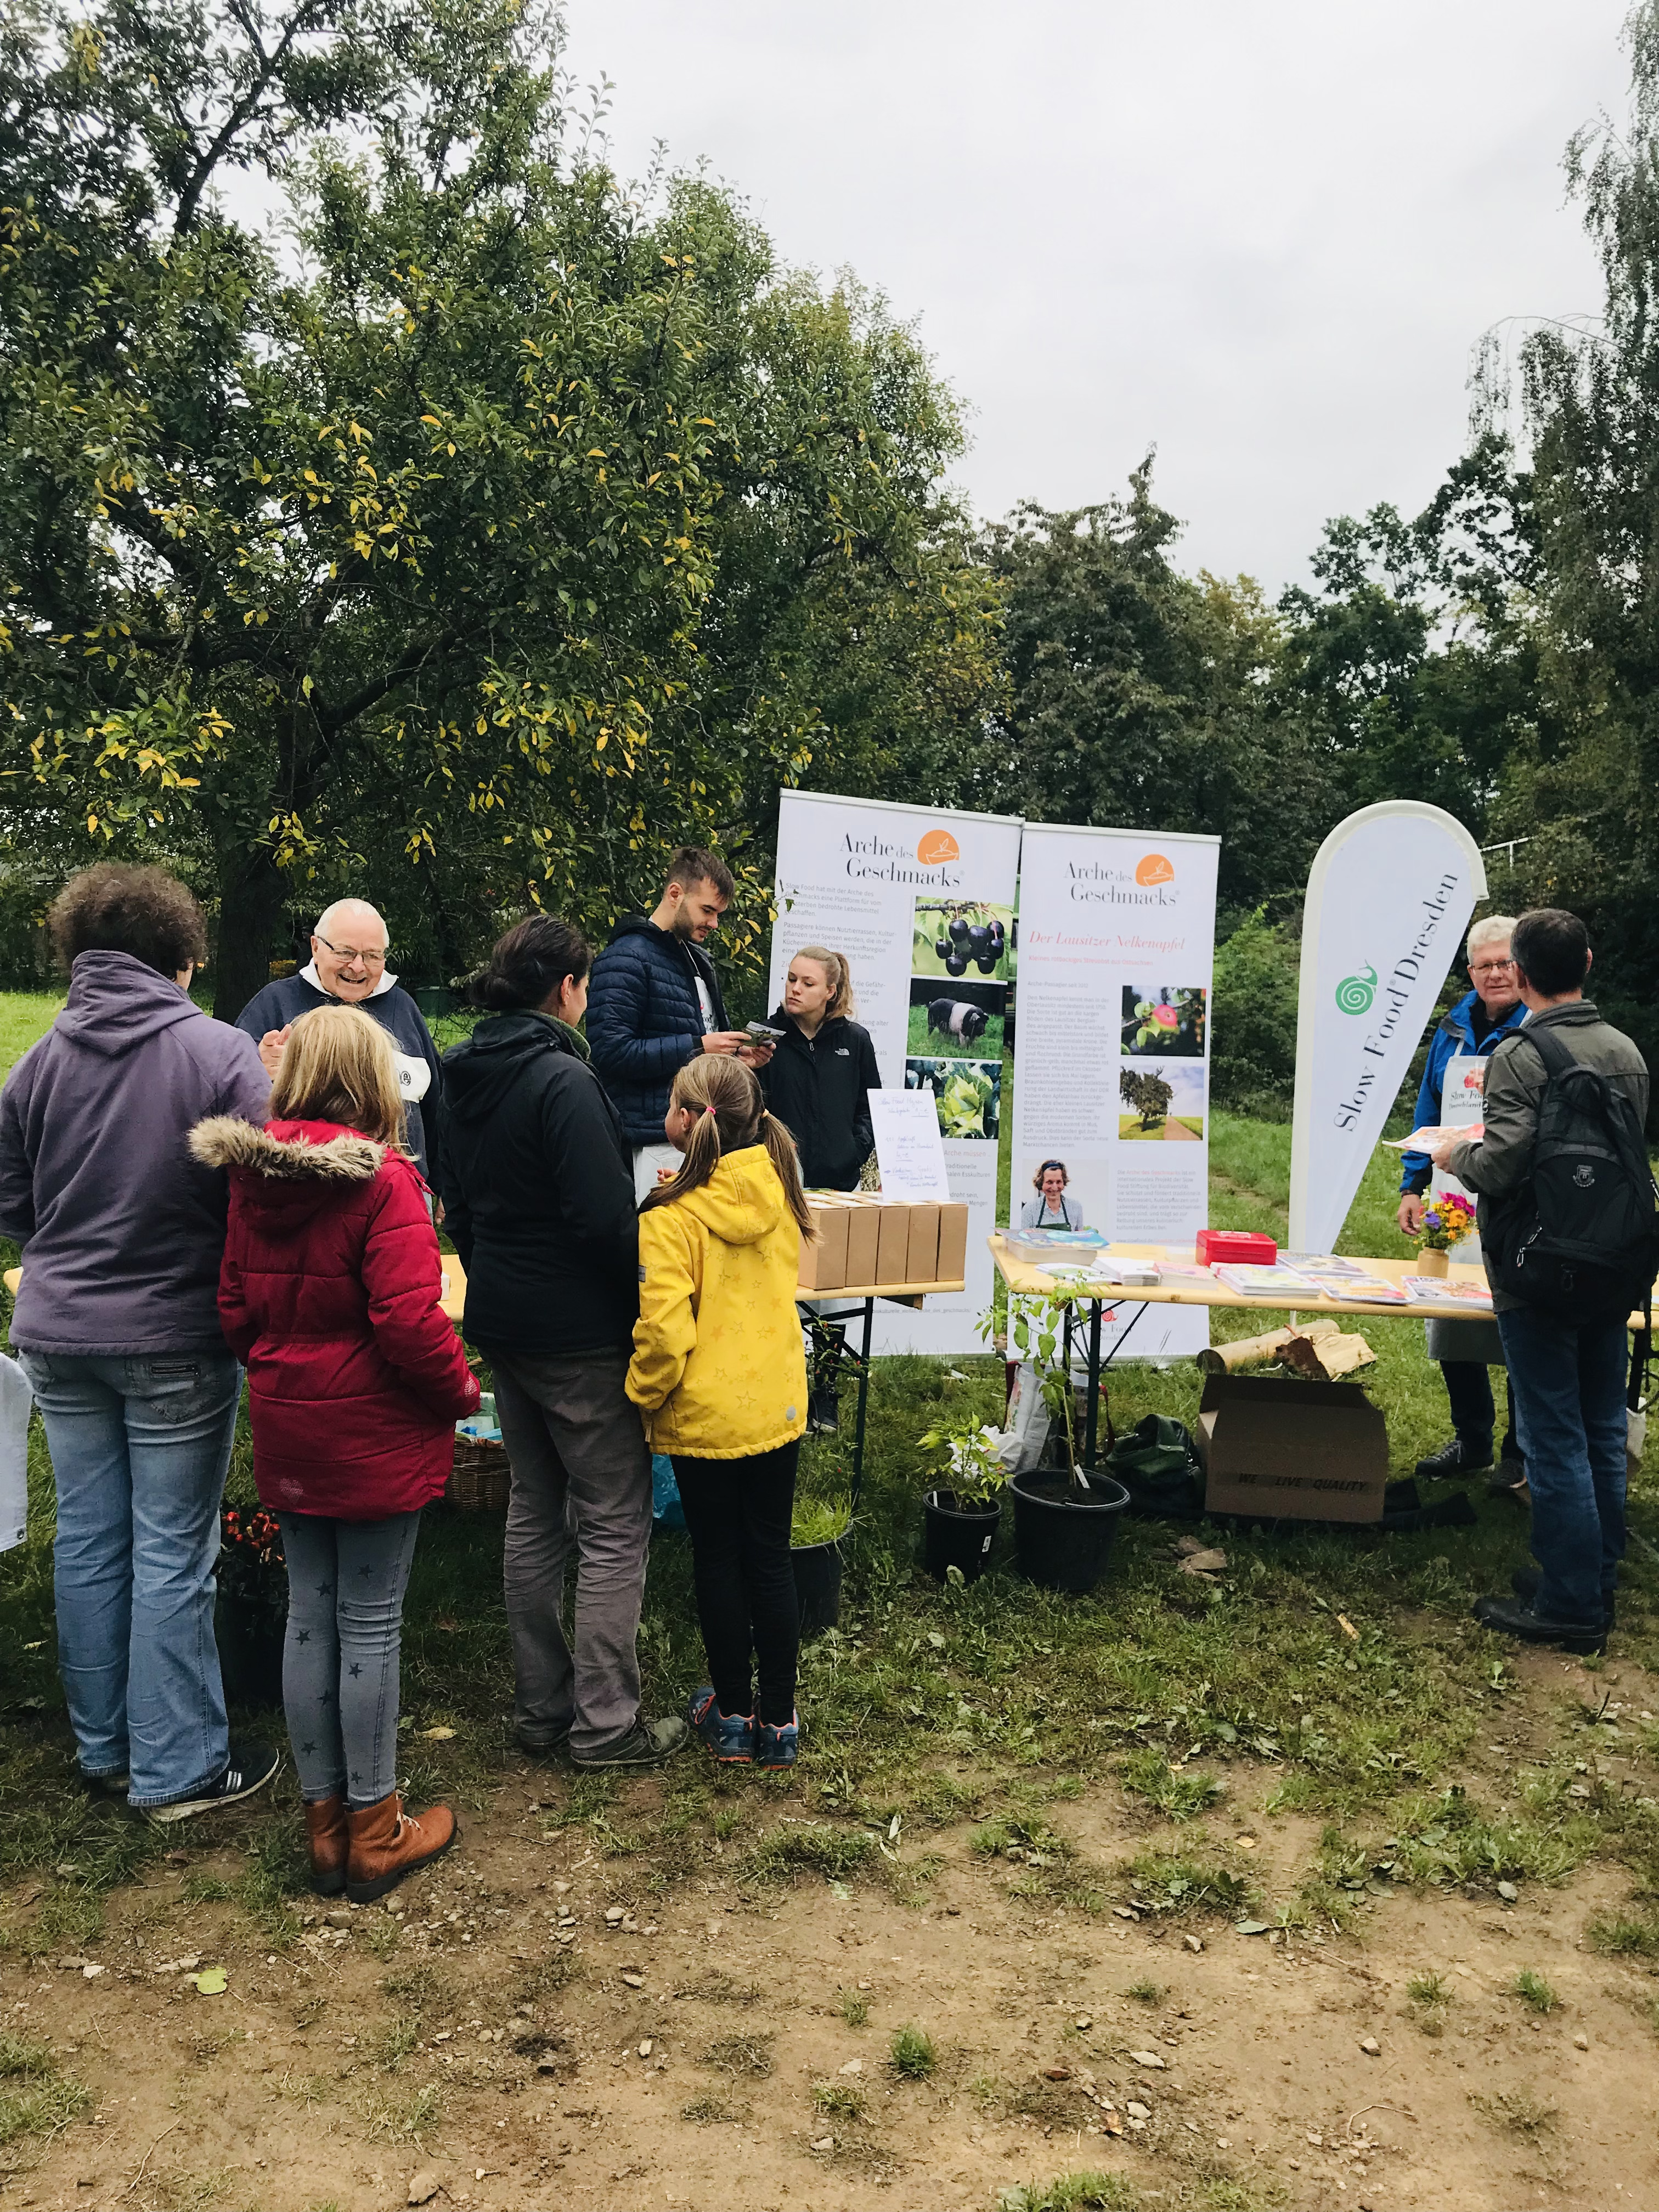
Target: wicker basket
(482, 1477)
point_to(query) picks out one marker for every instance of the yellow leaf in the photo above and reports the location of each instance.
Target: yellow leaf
(305, 686)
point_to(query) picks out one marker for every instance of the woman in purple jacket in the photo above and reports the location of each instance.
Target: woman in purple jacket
(117, 1326)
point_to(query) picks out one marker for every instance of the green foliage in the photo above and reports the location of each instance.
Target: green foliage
(1253, 1059)
(518, 532)
(1087, 2192)
(912, 2054)
(1429, 1990)
(36, 2098)
(969, 1468)
(1141, 697)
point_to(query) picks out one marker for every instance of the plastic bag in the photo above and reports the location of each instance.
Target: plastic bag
(1157, 1465)
(665, 1507)
(1027, 1430)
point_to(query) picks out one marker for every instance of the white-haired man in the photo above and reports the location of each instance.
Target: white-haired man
(1458, 1050)
(347, 968)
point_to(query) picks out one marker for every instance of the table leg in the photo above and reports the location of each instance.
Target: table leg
(1091, 1412)
(863, 1397)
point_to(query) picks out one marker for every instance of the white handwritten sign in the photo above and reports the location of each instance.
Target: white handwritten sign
(909, 1150)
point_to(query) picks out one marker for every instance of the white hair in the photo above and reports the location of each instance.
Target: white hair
(1488, 931)
(328, 919)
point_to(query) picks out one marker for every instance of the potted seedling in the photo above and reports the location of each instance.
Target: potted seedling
(964, 1509)
(822, 1518)
(1065, 1520)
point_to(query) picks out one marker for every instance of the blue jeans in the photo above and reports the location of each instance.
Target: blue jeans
(346, 1580)
(1569, 1380)
(140, 1445)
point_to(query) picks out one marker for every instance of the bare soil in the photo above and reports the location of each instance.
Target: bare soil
(695, 2055)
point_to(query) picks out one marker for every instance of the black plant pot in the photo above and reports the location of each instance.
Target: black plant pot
(250, 1653)
(959, 1536)
(817, 1585)
(1064, 1538)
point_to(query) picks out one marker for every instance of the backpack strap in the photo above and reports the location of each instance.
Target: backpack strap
(1551, 1049)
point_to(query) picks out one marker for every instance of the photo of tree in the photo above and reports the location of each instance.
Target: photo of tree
(1164, 1103)
(1165, 1020)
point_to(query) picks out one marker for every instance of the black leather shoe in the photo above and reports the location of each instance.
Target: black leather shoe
(1508, 1616)
(1509, 1479)
(1525, 1581)
(1453, 1459)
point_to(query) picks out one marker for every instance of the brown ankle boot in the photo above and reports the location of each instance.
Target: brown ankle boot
(326, 1832)
(387, 1842)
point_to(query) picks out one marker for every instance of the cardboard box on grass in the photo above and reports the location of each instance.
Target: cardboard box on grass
(1296, 1451)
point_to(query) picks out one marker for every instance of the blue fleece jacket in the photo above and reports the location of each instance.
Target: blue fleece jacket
(1455, 1034)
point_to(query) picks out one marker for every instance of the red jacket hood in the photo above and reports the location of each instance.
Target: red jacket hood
(288, 1170)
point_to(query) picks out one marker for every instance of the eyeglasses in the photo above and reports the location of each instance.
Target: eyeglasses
(1489, 967)
(350, 952)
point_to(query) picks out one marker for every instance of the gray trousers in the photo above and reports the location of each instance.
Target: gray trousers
(346, 1580)
(581, 1480)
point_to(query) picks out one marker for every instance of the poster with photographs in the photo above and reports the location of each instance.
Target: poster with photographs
(920, 900)
(1111, 1100)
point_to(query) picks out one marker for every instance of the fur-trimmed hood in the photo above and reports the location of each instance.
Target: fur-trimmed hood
(289, 1171)
(341, 1157)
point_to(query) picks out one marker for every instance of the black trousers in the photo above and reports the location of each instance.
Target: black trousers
(1468, 1387)
(738, 1512)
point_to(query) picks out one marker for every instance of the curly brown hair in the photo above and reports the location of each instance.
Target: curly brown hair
(144, 912)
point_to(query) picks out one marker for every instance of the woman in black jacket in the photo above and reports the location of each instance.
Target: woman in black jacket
(538, 1195)
(818, 1080)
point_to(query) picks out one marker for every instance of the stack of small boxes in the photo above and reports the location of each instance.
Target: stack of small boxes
(865, 1242)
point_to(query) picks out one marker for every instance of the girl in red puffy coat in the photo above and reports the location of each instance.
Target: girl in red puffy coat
(329, 1293)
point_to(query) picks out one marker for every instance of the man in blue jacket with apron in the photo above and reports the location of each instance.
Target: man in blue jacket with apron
(1450, 1093)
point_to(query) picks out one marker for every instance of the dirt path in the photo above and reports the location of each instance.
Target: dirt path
(1177, 1133)
(725, 2043)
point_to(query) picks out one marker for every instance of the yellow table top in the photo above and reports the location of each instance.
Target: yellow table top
(1022, 1275)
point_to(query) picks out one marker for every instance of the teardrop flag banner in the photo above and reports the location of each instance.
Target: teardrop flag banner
(1380, 932)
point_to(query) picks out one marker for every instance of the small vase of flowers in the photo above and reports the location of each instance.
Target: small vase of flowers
(251, 1619)
(1447, 1220)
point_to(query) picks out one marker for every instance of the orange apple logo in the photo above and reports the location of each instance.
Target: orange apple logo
(937, 845)
(1154, 869)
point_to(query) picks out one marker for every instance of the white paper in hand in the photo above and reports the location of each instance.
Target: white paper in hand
(15, 1400)
(909, 1150)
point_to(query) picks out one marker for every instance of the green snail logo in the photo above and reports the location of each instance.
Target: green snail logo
(1354, 993)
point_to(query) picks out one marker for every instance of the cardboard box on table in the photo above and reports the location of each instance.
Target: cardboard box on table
(1297, 1451)
(867, 1240)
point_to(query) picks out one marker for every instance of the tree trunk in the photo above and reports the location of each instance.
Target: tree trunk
(252, 891)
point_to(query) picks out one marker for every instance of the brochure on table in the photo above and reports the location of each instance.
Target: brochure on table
(920, 900)
(1112, 1048)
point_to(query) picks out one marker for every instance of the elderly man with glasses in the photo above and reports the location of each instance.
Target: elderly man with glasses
(347, 968)
(1458, 1051)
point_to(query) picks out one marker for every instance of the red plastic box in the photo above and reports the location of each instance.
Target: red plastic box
(1234, 1248)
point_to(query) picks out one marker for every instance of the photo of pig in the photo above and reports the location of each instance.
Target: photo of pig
(952, 1020)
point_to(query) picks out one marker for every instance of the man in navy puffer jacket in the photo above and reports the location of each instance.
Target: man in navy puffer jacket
(655, 1003)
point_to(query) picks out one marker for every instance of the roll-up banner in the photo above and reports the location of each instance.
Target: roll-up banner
(920, 900)
(1388, 901)
(1112, 1045)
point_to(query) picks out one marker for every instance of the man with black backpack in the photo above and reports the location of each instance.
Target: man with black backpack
(1571, 1239)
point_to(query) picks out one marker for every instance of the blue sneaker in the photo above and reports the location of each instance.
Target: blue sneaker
(729, 1736)
(777, 1746)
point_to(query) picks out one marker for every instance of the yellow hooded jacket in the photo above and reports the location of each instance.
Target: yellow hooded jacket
(718, 1368)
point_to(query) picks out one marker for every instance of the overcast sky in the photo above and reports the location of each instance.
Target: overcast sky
(1264, 238)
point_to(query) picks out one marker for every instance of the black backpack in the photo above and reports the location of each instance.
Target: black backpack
(1581, 1235)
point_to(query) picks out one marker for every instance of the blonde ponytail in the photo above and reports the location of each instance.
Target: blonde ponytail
(730, 1114)
(838, 974)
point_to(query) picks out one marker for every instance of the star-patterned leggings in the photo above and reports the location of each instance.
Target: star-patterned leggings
(345, 1615)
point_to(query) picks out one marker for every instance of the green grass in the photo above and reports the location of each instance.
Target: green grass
(923, 1044)
(24, 1017)
(1131, 1130)
(912, 2054)
(36, 2098)
(1534, 1990)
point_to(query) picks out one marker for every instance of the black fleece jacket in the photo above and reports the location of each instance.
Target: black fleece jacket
(818, 1087)
(537, 1191)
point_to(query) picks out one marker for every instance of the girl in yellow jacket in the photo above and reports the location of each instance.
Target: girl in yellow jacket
(721, 1376)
